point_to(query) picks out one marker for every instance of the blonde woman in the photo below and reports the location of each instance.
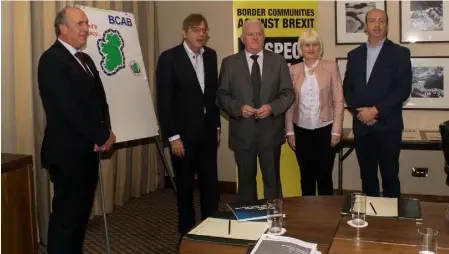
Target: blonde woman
(314, 122)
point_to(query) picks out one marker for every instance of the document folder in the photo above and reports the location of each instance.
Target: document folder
(215, 229)
(397, 208)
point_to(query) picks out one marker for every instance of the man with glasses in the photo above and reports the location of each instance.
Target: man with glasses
(255, 91)
(186, 83)
(378, 80)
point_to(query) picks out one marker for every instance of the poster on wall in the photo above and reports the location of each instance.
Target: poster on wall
(283, 22)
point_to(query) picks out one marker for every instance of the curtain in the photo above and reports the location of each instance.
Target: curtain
(134, 168)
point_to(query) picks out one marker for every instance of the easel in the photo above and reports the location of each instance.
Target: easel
(160, 148)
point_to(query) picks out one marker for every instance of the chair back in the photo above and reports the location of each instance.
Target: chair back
(444, 131)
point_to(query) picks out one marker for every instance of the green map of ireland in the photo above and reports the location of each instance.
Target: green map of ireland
(110, 47)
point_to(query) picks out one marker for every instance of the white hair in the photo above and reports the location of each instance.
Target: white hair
(252, 21)
(310, 36)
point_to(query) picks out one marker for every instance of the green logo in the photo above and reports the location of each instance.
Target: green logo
(110, 47)
(135, 67)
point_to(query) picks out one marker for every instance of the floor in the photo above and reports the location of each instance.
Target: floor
(145, 225)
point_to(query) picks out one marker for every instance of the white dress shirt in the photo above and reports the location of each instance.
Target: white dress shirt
(197, 62)
(198, 65)
(73, 51)
(309, 107)
(309, 103)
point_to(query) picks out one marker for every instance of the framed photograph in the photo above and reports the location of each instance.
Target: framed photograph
(350, 20)
(424, 21)
(430, 83)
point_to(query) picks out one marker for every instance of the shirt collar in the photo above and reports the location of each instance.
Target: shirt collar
(260, 54)
(379, 45)
(189, 51)
(69, 47)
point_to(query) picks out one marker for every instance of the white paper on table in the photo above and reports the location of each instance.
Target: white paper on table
(433, 136)
(247, 230)
(385, 207)
(269, 244)
(408, 134)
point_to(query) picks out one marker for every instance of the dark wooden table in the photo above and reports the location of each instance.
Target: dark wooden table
(19, 234)
(399, 231)
(318, 220)
(342, 246)
(348, 142)
(311, 219)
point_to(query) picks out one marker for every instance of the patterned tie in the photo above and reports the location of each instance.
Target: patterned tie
(80, 56)
(256, 81)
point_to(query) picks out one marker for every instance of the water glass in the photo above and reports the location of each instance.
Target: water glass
(275, 216)
(428, 241)
(358, 209)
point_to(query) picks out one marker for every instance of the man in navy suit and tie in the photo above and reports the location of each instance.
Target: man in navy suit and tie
(186, 83)
(377, 81)
(78, 128)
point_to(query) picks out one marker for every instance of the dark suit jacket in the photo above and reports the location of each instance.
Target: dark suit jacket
(180, 101)
(236, 90)
(388, 87)
(75, 106)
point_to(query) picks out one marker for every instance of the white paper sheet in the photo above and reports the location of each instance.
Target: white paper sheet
(385, 207)
(433, 136)
(408, 134)
(247, 230)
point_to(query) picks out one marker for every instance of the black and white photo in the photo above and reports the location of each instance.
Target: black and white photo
(355, 16)
(426, 15)
(424, 21)
(430, 83)
(350, 20)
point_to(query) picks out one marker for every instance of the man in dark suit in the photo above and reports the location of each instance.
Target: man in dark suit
(78, 127)
(377, 81)
(255, 91)
(187, 80)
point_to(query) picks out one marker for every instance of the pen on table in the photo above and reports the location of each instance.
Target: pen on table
(229, 227)
(371, 204)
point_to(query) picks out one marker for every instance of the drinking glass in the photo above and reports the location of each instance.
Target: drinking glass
(275, 216)
(358, 209)
(428, 241)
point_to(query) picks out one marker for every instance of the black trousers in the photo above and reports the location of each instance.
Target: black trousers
(74, 189)
(269, 159)
(379, 150)
(200, 157)
(315, 157)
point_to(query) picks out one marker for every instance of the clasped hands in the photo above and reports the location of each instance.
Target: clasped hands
(367, 115)
(248, 111)
(107, 145)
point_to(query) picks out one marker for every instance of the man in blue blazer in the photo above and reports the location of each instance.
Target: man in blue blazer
(377, 82)
(186, 84)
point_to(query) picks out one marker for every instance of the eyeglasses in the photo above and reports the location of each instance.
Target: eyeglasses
(197, 30)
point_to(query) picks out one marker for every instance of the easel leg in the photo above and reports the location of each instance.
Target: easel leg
(103, 208)
(160, 147)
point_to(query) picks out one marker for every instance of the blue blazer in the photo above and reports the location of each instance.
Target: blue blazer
(388, 87)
